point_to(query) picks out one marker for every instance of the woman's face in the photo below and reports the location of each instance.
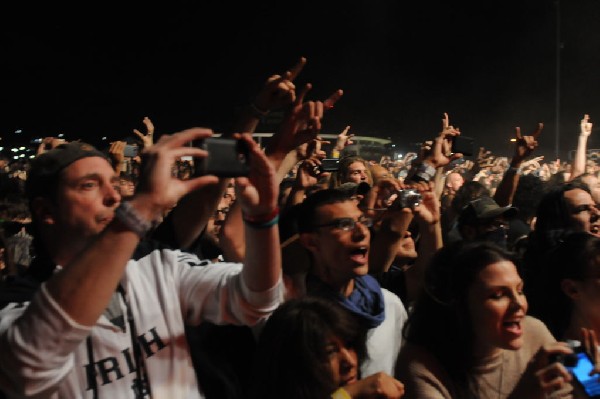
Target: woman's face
(497, 307)
(343, 362)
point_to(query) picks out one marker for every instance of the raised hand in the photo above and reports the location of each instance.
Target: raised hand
(441, 151)
(156, 178)
(428, 210)
(525, 145)
(344, 139)
(279, 91)
(302, 122)
(258, 192)
(148, 138)
(586, 126)
(117, 153)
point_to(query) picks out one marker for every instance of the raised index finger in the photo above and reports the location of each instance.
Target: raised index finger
(295, 71)
(445, 121)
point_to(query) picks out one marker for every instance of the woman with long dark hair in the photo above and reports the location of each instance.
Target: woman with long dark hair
(469, 336)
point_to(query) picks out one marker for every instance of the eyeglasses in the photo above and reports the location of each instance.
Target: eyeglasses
(347, 224)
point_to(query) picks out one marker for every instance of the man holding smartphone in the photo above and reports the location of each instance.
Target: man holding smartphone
(108, 311)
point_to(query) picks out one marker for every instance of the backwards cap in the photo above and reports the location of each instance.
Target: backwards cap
(44, 172)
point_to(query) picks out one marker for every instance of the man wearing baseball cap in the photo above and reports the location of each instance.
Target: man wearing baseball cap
(108, 310)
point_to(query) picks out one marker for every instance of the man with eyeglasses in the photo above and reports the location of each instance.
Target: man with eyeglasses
(337, 235)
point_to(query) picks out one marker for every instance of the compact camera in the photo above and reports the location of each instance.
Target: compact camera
(329, 165)
(408, 198)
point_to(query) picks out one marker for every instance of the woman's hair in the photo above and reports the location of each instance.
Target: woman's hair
(440, 321)
(291, 360)
(340, 176)
(572, 259)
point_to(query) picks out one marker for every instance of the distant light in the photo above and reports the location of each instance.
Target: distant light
(18, 131)
(398, 156)
(1, 148)
(513, 139)
(21, 148)
(14, 149)
(16, 157)
(61, 135)
(31, 156)
(104, 138)
(22, 156)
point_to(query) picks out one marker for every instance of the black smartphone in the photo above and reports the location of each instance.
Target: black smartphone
(581, 374)
(463, 145)
(330, 164)
(227, 157)
(130, 151)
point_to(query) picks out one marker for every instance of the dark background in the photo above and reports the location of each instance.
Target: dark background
(95, 69)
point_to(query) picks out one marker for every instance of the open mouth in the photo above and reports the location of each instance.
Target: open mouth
(513, 326)
(359, 255)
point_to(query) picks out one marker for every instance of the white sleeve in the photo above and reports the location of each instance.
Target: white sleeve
(38, 342)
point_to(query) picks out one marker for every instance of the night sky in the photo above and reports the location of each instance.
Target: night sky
(97, 68)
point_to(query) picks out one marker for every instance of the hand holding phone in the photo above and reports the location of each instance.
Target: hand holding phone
(227, 157)
(462, 145)
(581, 373)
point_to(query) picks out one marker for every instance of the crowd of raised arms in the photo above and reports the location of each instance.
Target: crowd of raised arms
(181, 271)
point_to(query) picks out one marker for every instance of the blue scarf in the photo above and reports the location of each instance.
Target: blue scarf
(366, 300)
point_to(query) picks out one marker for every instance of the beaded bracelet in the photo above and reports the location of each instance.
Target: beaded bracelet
(262, 221)
(127, 215)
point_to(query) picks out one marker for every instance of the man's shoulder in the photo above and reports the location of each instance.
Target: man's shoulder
(394, 304)
(390, 298)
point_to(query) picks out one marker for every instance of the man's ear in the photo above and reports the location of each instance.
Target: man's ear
(570, 288)
(309, 241)
(43, 210)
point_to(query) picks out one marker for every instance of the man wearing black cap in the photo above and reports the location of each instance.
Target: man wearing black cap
(482, 219)
(109, 316)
